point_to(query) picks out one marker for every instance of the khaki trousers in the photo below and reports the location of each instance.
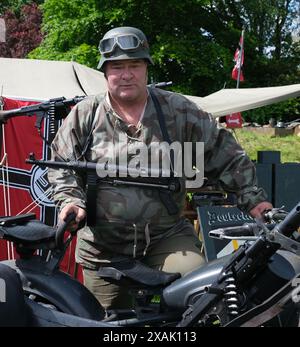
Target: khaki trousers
(178, 253)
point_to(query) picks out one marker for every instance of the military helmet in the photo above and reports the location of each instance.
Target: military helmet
(123, 43)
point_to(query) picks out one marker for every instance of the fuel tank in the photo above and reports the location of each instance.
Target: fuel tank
(189, 288)
(282, 267)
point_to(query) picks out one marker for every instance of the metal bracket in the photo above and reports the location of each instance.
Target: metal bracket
(285, 242)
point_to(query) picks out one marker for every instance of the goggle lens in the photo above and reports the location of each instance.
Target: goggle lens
(125, 42)
(128, 42)
(107, 45)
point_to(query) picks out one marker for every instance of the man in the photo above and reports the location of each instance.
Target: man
(137, 221)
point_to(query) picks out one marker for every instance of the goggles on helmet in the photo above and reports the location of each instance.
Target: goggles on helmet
(128, 42)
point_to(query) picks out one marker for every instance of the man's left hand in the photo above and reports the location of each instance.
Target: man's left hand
(258, 210)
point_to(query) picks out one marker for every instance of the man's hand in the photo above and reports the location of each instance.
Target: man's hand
(258, 210)
(79, 212)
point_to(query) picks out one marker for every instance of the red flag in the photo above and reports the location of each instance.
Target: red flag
(234, 120)
(24, 187)
(239, 60)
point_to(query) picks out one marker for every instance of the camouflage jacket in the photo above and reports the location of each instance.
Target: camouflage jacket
(130, 217)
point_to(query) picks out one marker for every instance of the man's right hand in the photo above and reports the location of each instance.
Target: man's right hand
(79, 212)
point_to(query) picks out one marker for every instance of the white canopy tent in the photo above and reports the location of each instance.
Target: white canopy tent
(227, 101)
(41, 80)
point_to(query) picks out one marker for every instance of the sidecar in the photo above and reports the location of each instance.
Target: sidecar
(13, 310)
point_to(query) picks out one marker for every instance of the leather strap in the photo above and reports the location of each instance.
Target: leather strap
(165, 196)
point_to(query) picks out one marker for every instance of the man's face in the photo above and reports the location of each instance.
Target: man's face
(126, 79)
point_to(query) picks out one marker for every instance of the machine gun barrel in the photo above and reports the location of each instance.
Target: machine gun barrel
(161, 84)
(69, 165)
(116, 174)
(62, 106)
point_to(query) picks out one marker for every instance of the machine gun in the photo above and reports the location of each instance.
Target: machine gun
(160, 179)
(62, 108)
(55, 109)
(245, 266)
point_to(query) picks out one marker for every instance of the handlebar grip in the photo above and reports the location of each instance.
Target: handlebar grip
(279, 215)
(275, 215)
(246, 229)
(61, 228)
(242, 230)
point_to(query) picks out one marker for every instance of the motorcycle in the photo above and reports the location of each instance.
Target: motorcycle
(254, 286)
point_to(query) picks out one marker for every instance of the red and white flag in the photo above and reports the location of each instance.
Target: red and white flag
(234, 120)
(23, 187)
(237, 72)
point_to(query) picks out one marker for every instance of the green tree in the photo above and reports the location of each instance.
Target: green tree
(71, 29)
(16, 5)
(23, 32)
(192, 42)
(182, 51)
(271, 56)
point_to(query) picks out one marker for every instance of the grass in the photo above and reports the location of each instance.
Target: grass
(289, 146)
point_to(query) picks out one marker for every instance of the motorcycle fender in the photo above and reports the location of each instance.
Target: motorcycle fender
(59, 289)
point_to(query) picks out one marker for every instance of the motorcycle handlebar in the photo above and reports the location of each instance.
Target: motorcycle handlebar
(275, 214)
(244, 230)
(61, 228)
(290, 223)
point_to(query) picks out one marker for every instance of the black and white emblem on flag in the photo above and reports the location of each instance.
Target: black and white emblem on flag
(35, 180)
